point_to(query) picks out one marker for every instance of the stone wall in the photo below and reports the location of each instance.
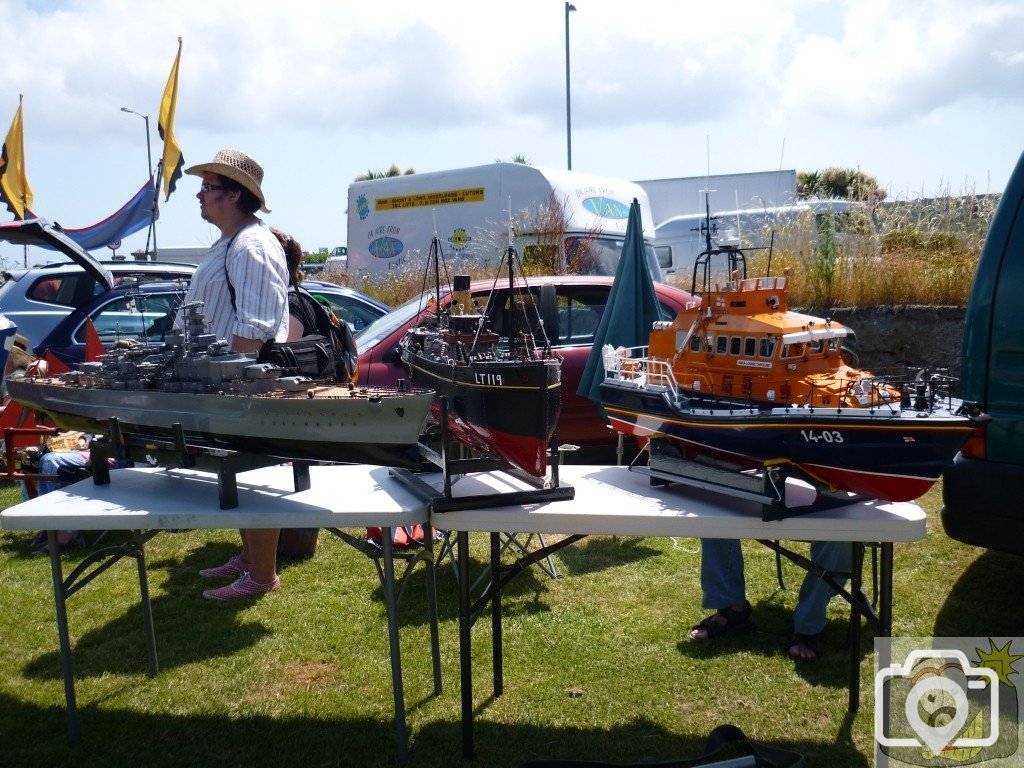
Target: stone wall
(887, 337)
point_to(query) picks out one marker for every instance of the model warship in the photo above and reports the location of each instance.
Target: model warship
(741, 382)
(502, 390)
(220, 399)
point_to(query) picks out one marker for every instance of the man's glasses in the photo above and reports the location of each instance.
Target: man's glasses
(204, 187)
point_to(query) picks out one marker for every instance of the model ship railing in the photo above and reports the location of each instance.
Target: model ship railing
(916, 390)
(633, 365)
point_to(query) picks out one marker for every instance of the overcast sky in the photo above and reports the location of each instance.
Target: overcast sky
(927, 97)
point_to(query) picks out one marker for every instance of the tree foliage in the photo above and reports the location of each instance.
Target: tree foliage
(843, 183)
(394, 170)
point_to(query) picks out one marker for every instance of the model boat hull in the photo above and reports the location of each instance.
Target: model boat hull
(883, 452)
(330, 423)
(503, 408)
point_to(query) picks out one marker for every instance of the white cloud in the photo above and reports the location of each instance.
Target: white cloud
(320, 91)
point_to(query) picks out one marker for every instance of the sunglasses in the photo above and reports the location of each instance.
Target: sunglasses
(204, 187)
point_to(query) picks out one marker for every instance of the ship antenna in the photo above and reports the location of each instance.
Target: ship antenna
(707, 218)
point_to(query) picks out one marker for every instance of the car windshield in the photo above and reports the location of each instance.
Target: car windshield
(383, 327)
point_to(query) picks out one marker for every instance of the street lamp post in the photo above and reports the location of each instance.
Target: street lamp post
(149, 153)
(569, 7)
(149, 170)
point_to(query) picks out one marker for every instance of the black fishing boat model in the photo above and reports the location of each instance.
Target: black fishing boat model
(500, 386)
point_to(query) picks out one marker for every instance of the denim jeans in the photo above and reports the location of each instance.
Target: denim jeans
(723, 583)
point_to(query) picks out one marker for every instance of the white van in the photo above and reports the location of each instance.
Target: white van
(567, 219)
(681, 238)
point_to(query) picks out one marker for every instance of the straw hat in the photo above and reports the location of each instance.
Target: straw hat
(237, 166)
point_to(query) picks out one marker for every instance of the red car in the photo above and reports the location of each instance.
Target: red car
(570, 307)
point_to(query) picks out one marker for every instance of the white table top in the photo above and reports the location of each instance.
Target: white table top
(608, 500)
(613, 500)
(158, 499)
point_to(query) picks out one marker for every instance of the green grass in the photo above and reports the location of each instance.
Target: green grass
(596, 665)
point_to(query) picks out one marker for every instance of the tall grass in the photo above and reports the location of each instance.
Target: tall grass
(911, 252)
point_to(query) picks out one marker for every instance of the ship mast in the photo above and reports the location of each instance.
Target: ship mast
(509, 255)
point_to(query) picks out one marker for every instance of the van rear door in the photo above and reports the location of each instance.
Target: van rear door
(993, 365)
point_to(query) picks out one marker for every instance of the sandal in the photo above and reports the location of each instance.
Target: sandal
(724, 622)
(802, 647)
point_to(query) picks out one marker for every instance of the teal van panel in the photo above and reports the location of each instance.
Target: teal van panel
(992, 373)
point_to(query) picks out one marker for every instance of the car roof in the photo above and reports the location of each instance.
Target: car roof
(116, 267)
(327, 287)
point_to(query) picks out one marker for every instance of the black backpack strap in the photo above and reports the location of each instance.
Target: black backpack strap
(231, 288)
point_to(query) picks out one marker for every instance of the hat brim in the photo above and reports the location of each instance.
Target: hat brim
(229, 172)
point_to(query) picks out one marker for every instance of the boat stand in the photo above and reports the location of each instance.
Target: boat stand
(177, 452)
(542, 488)
(767, 486)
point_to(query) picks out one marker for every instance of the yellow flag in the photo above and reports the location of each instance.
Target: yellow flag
(173, 161)
(14, 188)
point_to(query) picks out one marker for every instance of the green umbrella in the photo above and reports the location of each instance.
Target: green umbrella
(631, 309)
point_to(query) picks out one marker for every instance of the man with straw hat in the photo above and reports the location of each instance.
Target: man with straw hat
(243, 284)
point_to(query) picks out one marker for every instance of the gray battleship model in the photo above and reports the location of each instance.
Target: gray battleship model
(226, 400)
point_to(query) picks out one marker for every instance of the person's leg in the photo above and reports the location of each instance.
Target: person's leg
(262, 545)
(724, 589)
(53, 462)
(721, 573)
(809, 618)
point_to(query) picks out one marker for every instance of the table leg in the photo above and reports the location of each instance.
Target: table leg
(396, 652)
(147, 608)
(497, 652)
(855, 629)
(435, 641)
(60, 603)
(465, 649)
(885, 593)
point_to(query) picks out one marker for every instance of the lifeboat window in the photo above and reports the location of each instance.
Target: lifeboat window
(735, 345)
(749, 346)
(695, 343)
(834, 344)
(814, 346)
(792, 350)
(768, 344)
(723, 345)
(748, 386)
(727, 385)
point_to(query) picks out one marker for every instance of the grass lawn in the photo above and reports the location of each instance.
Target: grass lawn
(596, 663)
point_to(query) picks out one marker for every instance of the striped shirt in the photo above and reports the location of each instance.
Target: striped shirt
(258, 272)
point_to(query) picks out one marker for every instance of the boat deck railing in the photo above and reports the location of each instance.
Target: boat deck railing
(906, 389)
